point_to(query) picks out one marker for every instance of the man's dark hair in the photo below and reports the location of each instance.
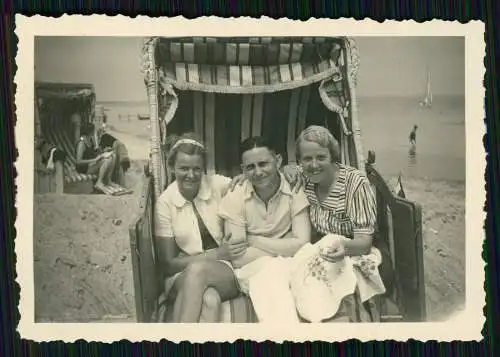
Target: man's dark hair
(257, 142)
(87, 129)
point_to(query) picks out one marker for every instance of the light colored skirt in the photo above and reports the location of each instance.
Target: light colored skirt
(268, 282)
(238, 310)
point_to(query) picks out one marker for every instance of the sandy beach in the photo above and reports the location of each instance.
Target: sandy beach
(82, 252)
(443, 217)
(83, 269)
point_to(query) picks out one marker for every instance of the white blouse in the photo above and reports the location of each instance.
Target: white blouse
(175, 217)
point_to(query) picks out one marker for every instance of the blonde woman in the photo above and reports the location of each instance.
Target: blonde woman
(342, 205)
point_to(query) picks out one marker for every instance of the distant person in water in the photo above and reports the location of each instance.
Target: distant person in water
(413, 135)
(413, 140)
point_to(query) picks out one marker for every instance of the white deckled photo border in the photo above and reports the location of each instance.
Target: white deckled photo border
(466, 325)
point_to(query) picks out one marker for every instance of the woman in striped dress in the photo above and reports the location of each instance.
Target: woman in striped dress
(342, 203)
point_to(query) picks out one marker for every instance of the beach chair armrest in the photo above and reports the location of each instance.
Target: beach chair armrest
(144, 255)
(399, 224)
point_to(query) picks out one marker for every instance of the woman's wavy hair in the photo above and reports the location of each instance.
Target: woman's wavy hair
(321, 136)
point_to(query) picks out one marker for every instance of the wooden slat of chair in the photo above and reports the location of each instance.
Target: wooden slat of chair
(242, 310)
(246, 116)
(258, 107)
(210, 131)
(293, 113)
(344, 153)
(304, 104)
(198, 113)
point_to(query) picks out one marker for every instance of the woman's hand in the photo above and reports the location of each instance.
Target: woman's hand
(293, 176)
(333, 253)
(229, 250)
(237, 181)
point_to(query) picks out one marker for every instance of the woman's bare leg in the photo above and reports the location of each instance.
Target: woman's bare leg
(102, 175)
(109, 162)
(197, 278)
(211, 306)
(118, 175)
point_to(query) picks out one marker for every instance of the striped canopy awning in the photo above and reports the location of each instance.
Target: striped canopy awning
(64, 90)
(250, 65)
(252, 68)
(71, 97)
(247, 65)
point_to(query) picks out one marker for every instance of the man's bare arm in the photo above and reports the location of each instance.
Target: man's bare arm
(291, 243)
(238, 233)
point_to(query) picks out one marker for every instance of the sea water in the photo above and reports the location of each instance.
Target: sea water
(386, 123)
(440, 151)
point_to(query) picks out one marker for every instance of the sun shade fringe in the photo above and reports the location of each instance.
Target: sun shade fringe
(250, 89)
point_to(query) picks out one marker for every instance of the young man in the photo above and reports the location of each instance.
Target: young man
(265, 212)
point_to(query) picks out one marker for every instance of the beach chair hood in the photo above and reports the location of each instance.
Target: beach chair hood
(247, 65)
(78, 92)
(54, 123)
(216, 85)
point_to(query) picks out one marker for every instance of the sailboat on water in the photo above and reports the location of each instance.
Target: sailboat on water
(427, 101)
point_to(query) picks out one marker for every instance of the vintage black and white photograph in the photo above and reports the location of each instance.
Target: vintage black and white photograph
(248, 179)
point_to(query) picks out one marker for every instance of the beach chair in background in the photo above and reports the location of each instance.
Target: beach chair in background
(54, 105)
(227, 89)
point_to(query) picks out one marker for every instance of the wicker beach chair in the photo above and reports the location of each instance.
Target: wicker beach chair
(227, 89)
(54, 105)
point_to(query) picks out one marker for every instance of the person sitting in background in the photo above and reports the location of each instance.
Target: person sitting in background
(93, 161)
(122, 158)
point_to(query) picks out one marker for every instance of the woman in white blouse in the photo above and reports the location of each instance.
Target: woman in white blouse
(193, 252)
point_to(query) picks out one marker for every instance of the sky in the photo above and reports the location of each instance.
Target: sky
(389, 66)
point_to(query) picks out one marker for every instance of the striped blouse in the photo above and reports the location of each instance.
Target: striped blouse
(349, 208)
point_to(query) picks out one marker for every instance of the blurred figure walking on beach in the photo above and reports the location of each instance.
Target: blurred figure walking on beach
(413, 140)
